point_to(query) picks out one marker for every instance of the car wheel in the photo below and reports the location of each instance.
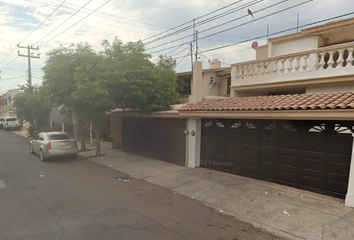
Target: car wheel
(30, 149)
(41, 156)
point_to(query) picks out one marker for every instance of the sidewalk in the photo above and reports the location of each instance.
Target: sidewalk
(281, 210)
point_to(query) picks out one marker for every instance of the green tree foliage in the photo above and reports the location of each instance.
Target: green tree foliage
(59, 77)
(35, 109)
(90, 84)
(134, 81)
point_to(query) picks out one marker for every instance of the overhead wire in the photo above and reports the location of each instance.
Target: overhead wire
(278, 32)
(191, 20)
(116, 16)
(44, 20)
(72, 15)
(228, 29)
(76, 22)
(213, 18)
(260, 18)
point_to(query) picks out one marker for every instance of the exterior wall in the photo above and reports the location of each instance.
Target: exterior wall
(330, 88)
(262, 52)
(294, 46)
(338, 36)
(222, 89)
(116, 128)
(207, 90)
(197, 81)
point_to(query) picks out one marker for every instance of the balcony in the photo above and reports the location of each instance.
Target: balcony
(323, 65)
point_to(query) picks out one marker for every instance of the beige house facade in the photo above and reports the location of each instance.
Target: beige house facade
(286, 117)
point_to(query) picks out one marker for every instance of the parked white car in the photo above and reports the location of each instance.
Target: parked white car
(52, 144)
(11, 123)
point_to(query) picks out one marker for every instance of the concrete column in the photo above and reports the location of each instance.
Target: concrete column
(197, 82)
(62, 127)
(193, 142)
(349, 199)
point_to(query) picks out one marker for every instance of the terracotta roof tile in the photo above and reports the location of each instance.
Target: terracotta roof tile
(277, 102)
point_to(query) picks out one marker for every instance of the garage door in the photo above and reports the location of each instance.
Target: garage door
(156, 138)
(309, 155)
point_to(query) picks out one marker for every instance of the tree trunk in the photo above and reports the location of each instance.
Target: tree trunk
(82, 135)
(97, 142)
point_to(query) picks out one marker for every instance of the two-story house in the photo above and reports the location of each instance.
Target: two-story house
(290, 116)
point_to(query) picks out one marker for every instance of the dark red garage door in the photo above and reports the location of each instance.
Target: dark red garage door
(157, 138)
(310, 155)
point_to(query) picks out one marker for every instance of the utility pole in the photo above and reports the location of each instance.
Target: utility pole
(191, 46)
(29, 56)
(196, 45)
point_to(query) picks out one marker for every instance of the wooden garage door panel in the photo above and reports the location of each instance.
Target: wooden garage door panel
(312, 183)
(313, 165)
(342, 148)
(337, 188)
(161, 139)
(338, 169)
(314, 145)
(294, 155)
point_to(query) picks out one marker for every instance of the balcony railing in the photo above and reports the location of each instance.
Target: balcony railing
(321, 59)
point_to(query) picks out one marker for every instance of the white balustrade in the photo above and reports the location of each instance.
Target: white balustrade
(332, 57)
(340, 59)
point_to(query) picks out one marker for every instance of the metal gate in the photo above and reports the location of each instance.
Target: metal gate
(310, 155)
(157, 138)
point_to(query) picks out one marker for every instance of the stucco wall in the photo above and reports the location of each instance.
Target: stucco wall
(331, 88)
(262, 52)
(294, 46)
(340, 35)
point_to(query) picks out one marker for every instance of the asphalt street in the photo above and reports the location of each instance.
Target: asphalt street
(78, 199)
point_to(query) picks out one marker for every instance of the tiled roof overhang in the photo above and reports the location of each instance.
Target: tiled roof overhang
(292, 106)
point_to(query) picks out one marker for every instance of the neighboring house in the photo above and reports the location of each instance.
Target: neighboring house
(289, 119)
(212, 82)
(7, 102)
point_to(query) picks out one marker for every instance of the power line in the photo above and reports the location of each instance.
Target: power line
(213, 18)
(265, 8)
(282, 10)
(192, 20)
(63, 22)
(111, 15)
(44, 20)
(228, 29)
(76, 22)
(276, 33)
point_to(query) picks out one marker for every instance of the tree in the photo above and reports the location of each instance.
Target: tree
(90, 84)
(91, 100)
(34, 108)
(59, 77)
(134, 81)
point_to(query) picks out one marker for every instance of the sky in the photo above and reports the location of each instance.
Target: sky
(165, 26)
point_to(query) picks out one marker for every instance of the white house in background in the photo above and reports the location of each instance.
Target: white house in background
(8, 102)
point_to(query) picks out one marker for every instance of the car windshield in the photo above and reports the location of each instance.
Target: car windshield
(58, 137)
(11, 119)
